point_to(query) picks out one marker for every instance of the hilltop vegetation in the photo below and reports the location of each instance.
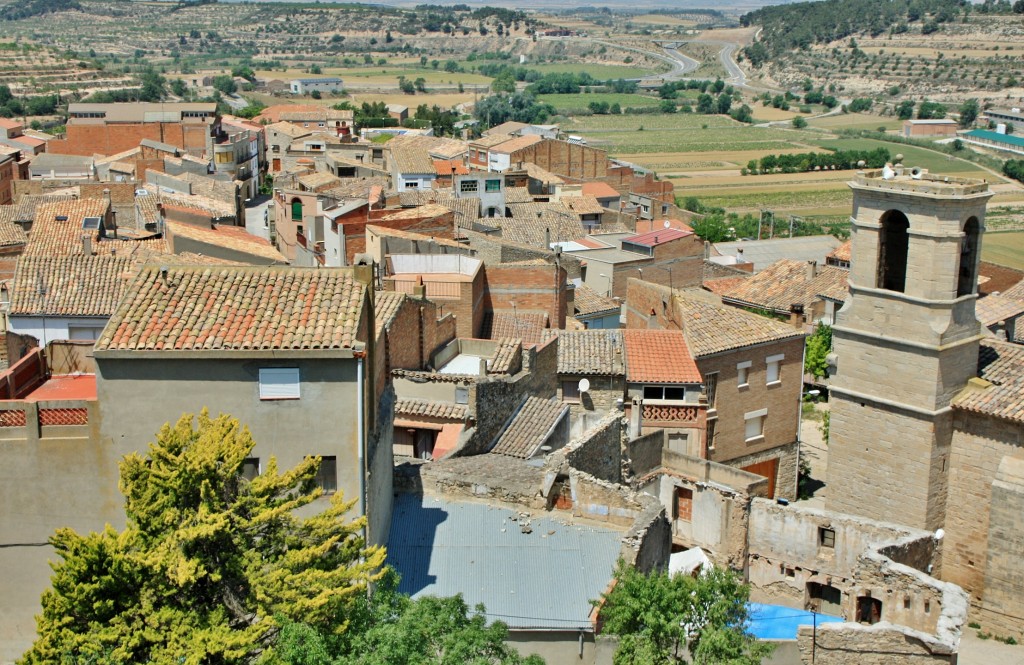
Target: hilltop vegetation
(23, 10)
(799, 26)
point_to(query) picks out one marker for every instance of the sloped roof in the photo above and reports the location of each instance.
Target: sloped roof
(583, 205)
(599, 190)
(505, 128)
(10, 233)
(530, 427)
(416, 154)
(76, 285)
(659, 356)
(1000, 392)
(785, 283)
(237, 308)
(711, 328)
(591, 352)
(385, 307)
(517, 143)
(588, 301)
(527, 326)
(425, 408)
(724, 284)
(995, 308)
(657, 237)
(841, 253)
(230, 237)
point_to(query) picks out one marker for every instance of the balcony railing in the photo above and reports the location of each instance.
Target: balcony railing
(669, 413)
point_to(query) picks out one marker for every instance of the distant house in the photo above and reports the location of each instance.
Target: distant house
(997, 140)
(398, 112)
(918, 128)
(306, 86)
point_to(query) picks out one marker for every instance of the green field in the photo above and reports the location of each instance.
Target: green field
(677, 132)
(601, 72)
(855, 121)
(834, 201)
(655, 122)
(569, 104)
(1006, 249)
(935, 162)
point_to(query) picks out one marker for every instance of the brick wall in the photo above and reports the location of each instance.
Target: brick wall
(599, 451)
(354, 227)
(568, 160)
(527, 287)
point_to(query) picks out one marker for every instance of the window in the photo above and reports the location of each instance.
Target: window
(492, 186)
(743, 373)
(275, 148)
(279, 383)
(826, 537)
(225, 158)
(296, 210)
(412, 184)
(570, 391)
(469, 186)
(84, 333)
(250, 468)
(711, 388)
(327, 474)
(755, 424)
(684, 504)
(461, 395)
(775, 368)
(677, 393)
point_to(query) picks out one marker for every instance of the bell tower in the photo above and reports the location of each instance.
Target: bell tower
(904, 343)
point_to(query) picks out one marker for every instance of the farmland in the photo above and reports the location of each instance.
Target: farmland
(1004, 248)
(571, 104)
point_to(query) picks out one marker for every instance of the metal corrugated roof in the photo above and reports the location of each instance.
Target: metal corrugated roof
(544, 579)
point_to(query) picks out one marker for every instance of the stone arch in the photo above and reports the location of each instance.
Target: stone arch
(893, 247)
(970, 245)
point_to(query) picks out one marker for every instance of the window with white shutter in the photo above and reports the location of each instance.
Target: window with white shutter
(279, 383)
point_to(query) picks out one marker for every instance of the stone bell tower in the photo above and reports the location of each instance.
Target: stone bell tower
(905, 342)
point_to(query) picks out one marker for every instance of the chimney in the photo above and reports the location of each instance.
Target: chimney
(812, 270)
(707, 250)
(87, 245)
(796, 315)
(547, 238)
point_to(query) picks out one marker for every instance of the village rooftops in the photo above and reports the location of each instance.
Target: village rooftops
(655, 238)
(659, 356)
(588, 301)
(711, 328)
(79, 285)
(416, 154)
(999, 390)
(591, 353)
(788, 282)
(235, 309)
(531, 426)
(994, 309)
(763, 253)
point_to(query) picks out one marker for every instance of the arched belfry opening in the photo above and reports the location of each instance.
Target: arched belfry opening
(893, 244)
(969, 247)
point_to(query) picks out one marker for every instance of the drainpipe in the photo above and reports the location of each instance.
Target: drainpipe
(361, 437)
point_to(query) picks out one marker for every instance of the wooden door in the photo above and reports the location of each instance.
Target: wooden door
(768, 469)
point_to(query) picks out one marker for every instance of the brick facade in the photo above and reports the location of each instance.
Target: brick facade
(110, 139)
(530, 287)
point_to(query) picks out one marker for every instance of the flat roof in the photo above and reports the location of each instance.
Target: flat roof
(544, 579)
(65, 386)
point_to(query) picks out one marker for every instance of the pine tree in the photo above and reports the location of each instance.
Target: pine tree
(209, 565)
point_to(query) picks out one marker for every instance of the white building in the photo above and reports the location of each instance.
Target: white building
(325, 84)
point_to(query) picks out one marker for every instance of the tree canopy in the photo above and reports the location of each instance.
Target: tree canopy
(210, 564)
(659, 617)
(819, 345)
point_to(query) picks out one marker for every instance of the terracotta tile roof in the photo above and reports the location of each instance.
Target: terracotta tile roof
(506, 128)
(599, 190)
(591, 352)
(234, 238)
(26, 207)
(723, 284)
(711, 328)
(527, 326)
(288, 128)
(995, 308)
(530, 428)
(507, 357)
(409, 235)
(78, 285)
(648, 225)
(714, 270)
(588, 301)
(583, 205)
(1015, 292)
(785, 283)
(841, 253)
(416, 154)
(659, 356)
(543, 175)
(319, 179)
(518, 195)
(10, 233)
(527, 228)
(488, 140)
(999, 391)
(450, 167)
(60, 237)
(386, 305)
(425, 408)
(244, 308)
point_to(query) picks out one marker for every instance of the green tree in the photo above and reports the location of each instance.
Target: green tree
(209, 565)
(968, 113)
(905, 110)
(799, 122)
(154, 86)
(819, 345)
(713, 228)
(178, 87)
(659, 618)
(225, 84)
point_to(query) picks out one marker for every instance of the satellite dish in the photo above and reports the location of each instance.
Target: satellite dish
(667, 224)
(584, 385)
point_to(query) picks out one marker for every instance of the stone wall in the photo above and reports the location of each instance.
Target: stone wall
(787, 463)
(1004, 577)
(599, 451)
(854, 644)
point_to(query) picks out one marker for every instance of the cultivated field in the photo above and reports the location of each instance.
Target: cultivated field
(598, 71)
(1006, 249)
(856, 121)
(570, 104)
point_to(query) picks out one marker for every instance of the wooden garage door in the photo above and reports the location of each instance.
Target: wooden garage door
(768, 469)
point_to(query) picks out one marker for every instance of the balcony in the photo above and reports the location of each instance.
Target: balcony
(669, 415)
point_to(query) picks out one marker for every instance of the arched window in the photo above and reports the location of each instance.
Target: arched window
(893, 244)
(966, 279)
(297, 210)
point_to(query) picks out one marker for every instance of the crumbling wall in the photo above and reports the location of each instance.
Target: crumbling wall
(881, 644)
(599, 451)
(645, 452)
